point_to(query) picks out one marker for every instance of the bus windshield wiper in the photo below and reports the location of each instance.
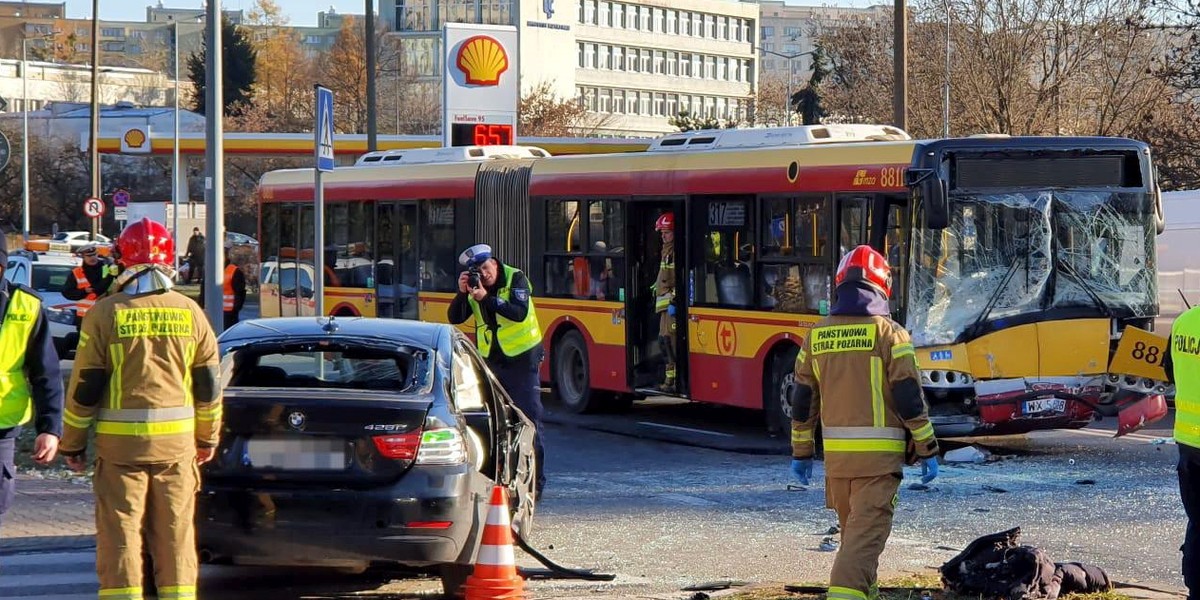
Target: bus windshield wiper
(976, 328)
(1069, 269)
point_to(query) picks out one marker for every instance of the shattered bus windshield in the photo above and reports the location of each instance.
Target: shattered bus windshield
(1005, 255)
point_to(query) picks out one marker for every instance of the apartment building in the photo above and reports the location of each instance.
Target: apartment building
(634, 64)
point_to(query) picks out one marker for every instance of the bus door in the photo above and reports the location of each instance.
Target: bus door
(647, 352)
(720, 276)
(397, 272)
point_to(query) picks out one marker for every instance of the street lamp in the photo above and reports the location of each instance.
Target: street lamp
(25, 132)
(791, 72)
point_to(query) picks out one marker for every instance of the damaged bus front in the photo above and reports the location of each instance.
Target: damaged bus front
(1030, 258)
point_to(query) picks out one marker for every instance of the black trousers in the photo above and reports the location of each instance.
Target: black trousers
(1189, 491)
(520, 379)
(8, 472)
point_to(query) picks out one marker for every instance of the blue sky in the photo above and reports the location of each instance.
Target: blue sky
(301, 12)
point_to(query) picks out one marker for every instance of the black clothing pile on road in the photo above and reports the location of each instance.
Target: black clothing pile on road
(995, 566)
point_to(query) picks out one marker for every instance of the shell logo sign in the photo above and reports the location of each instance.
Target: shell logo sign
(482, 60)
(135, 140)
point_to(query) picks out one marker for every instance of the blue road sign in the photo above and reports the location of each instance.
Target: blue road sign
(324, 130)
(120, 198)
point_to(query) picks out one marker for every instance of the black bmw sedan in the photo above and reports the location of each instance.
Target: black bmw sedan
(357, 442)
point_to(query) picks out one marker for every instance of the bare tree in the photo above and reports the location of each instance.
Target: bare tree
(541, 113)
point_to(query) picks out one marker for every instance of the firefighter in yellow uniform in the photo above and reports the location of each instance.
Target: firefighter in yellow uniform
(857, 376)
(664, 297)
(146, 376)
(1182, 363)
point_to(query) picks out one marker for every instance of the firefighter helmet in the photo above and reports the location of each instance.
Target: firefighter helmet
(665, 222)
(146, 242)
(867, 265)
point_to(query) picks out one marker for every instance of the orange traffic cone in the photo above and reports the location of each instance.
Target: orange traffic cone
(495, 576)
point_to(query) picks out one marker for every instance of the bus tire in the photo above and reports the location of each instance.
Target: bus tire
(570, 370)
(777, 382)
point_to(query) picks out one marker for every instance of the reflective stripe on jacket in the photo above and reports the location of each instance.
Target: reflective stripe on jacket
(515, 338)
(16, 404)
(228, 297)
(145, 350)
(852, 364)
(81, 282)
(1185, 360)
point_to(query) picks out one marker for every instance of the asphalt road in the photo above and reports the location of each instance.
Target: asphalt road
(666, 514)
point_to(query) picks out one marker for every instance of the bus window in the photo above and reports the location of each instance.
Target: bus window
(606, 250)
(795, 262)
(723, 252)
(585, 247)
(438, 251)
(853, 217)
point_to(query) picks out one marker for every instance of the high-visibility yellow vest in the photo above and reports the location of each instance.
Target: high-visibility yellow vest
(515, 337)
(16, 407)
(1185, 358)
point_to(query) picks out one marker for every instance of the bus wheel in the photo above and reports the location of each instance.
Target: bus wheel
(777, 383)
(572, 379)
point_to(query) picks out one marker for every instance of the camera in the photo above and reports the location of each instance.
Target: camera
(473, 280)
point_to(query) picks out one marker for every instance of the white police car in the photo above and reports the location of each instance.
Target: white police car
(45, 274)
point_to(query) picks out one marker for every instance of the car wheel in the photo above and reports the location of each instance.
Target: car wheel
(572, 379)
(777, 384)
(454, 577)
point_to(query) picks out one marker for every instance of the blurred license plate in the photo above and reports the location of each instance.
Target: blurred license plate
(1044, 405)
(297, 454)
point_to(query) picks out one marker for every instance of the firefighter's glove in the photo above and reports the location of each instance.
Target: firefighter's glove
(671, 310)
(802, 469)
(929, 469)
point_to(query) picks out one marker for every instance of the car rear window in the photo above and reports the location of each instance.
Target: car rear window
(49, 277)
(340, 368)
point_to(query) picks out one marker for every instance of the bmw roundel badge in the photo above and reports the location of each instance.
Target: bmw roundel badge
(296, 420)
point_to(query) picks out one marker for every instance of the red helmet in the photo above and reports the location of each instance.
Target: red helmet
(666, 222)
(146, 242)
(867, 265)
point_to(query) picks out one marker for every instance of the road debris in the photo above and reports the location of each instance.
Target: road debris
(1162, 441)
(714, 586)
(829, 544)
(997, 566)
(970, 454)
(1086, 482)
(995, 490)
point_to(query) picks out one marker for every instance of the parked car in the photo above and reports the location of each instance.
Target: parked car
(356, 442)
(45, 274)
(78, 239)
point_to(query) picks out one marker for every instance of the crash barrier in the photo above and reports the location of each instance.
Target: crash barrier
(495, 575)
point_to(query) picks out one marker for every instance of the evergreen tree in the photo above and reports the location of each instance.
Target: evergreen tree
(807, 101)
(238, 71)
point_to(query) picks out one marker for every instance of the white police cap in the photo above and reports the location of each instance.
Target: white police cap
(475, 255)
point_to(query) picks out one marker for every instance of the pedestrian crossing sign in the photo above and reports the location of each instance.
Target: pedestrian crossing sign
(324, 129)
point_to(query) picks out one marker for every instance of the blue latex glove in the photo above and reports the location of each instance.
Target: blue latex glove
(929, 469)
(671, 309)
(802, 469)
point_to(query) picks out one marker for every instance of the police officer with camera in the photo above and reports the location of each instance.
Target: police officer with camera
(508, 336)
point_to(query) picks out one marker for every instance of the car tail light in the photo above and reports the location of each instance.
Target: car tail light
(441, 447)
(398, 446)
(429, 524)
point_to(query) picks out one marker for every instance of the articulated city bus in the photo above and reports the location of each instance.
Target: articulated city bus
(1018, 262)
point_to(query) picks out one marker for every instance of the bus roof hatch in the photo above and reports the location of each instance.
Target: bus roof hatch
(766, 137)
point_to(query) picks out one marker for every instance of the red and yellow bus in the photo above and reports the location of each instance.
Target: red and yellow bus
(1018, 262)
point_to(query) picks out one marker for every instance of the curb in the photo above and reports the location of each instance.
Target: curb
(43, 544)
(629, 428)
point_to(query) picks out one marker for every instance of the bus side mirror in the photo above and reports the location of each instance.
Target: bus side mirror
(933, 194)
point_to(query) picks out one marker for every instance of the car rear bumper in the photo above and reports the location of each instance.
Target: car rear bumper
(401, 523)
